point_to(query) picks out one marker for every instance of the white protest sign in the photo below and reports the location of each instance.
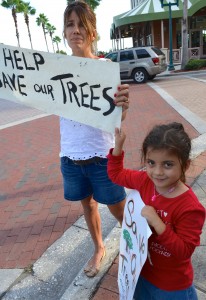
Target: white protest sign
(80, 89)
(133, 245)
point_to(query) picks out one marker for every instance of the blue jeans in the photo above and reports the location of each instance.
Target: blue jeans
(92, 179)
(147, 291)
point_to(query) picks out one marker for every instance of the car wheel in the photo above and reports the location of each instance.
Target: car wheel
(151, 77)
(140, 76)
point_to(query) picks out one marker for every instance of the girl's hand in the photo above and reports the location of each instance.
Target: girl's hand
(122, 97)
(120, 137)
(153, 219)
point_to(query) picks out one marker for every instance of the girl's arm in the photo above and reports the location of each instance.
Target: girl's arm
(153, 219)
(182, 238)
(120, 137)
(116, 172)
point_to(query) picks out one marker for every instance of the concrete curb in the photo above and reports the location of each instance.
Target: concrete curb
(56, 269)
(172, 73)
(83, 287)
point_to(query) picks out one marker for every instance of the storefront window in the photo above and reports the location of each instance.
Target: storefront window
(197, 22)
(195, 39)
(179, 39)
(148, 34)
(149, 40)
(204, 42)
(141, 37)
(141, 42)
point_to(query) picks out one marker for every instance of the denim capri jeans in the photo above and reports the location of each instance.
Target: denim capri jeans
(81, 181)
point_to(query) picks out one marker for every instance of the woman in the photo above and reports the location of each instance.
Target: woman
(83, 159)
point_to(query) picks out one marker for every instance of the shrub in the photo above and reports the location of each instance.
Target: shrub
(195, 64)
(61, 52)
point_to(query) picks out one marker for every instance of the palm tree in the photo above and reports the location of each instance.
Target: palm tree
(92, 3)
(42, 20)
(16, 6)
(184, 35)
(57, 40)
(50, 29)
(28, 10)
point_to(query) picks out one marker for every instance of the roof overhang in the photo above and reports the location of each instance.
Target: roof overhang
(151, 10)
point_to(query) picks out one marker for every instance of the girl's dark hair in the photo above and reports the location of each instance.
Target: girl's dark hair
(85, 13)
(171, 137)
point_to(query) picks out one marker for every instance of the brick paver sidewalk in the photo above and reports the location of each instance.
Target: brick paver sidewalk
(33, 212)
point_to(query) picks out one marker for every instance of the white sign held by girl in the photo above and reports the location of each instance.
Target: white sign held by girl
(133, 245)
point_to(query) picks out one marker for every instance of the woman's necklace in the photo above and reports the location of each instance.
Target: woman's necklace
(167, 192)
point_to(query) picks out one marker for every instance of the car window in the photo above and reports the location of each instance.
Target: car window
(142, 53)
(112, 56)
(126, 55)
(157, 51)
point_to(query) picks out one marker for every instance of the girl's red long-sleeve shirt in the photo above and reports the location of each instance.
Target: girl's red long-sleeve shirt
(168, 265)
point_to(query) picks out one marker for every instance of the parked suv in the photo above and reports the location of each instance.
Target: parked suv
(140, 63)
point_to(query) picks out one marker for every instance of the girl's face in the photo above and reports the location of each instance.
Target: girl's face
(163, 168)
(76, 35)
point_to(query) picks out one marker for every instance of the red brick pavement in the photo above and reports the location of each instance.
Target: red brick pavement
(33, 213)
(146, 109)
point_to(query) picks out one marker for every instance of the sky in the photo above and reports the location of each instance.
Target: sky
(53, 10)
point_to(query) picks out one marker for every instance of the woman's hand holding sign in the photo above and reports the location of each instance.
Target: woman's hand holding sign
(122, 98)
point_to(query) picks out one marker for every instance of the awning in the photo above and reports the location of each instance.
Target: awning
(151, 10)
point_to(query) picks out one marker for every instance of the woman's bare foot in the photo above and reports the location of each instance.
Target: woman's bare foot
(94, 263)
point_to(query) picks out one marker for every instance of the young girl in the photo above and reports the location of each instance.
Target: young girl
(172, 210)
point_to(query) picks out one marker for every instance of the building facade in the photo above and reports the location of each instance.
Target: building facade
(147, 23)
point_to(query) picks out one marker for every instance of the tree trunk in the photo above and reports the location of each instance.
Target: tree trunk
(16, 26)
(52, 42)
(30, 37)
(184, 35)
(45, 38)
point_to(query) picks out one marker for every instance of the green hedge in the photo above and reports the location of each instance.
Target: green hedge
(195, 64)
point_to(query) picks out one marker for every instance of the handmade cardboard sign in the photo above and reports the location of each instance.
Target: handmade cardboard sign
(80, 89)
(133, 245)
